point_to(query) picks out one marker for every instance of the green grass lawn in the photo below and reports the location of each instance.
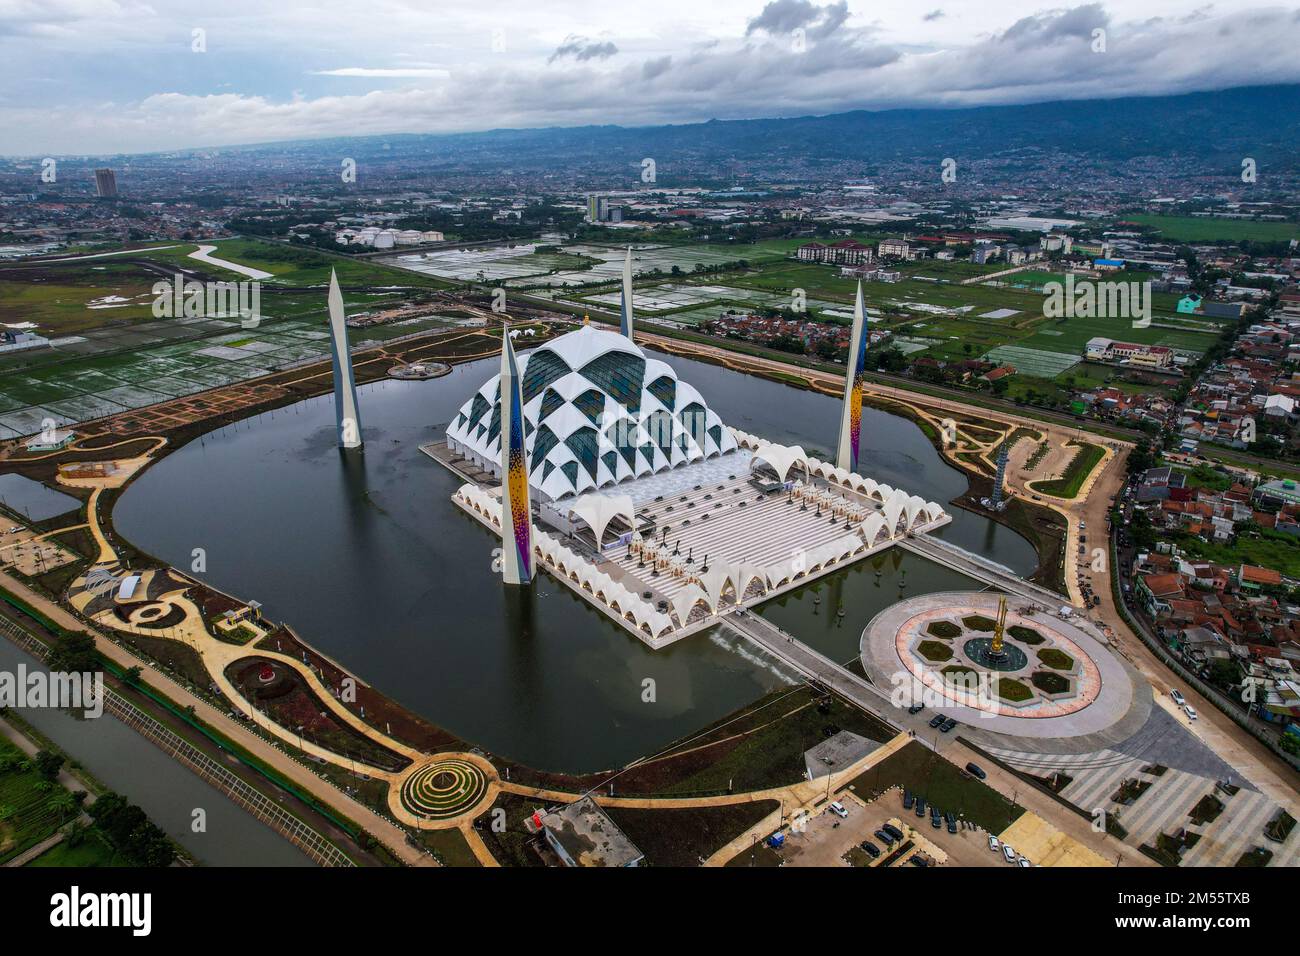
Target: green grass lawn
(1207, 229)
(681, 837)
(926, 774)
(1203, 476)
(92, 850)
(295, 265)
(1271, 549)
(1076, 472)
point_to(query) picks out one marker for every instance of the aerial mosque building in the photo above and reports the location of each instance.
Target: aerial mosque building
(596, 412)
(346, 412)
(594, 462)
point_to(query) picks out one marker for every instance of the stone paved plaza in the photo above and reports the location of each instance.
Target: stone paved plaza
(910, 644)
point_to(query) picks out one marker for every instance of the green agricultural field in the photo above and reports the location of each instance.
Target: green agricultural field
(1207, 229)
(31, 808)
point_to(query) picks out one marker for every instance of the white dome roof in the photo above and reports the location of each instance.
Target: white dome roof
(596, 412)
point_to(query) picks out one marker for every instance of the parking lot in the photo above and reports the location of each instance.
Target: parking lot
(823, 843)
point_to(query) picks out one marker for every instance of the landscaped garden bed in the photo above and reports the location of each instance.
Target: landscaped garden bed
(1207, 809)
(1056, 659)
(1049, 683)
(1025, 635)
(934, 651)
(1013, 690)
(943, 629)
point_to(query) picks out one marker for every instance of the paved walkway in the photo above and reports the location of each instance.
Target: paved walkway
(385, 831)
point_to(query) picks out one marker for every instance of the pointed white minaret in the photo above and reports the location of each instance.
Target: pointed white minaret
(516, 514)
(625, 323)
(345, 389)
(855, 364)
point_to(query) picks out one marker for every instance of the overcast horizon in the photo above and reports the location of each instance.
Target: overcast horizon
(90, 77)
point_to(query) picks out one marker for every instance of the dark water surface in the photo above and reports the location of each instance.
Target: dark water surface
(369, 560)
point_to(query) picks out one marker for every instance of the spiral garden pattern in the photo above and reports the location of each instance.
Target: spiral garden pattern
(444, 788)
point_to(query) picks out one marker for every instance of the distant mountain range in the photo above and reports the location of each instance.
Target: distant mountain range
(1224, 126)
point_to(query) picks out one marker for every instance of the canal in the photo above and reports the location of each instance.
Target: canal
(169, 793)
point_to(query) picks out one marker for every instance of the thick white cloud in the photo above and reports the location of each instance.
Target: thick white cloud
(740, 61)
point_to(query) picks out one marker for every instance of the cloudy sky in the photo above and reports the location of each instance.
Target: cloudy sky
(98, 76)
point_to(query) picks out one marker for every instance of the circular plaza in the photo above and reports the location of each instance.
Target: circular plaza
(996, 663)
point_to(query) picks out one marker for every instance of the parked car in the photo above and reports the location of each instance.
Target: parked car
(976, 771)
(839, 810)
(952, 822)
(916, 708)
(893, 831)
(1023, 862)
(1177, 698)
(885, 838)
(1190, 711)
(937, 719)
(948, 725)
(919, 861)
(936, 821)
(1008, 854)
(908, 799)
(920, 806)
(870, 849)
(993, 842)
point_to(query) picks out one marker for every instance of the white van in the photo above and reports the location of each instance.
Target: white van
(1190, 711)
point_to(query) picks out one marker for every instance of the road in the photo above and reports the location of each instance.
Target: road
(969, 564)
(873, 700)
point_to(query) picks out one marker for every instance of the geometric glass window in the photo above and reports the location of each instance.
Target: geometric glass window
(544, 367)
(591, 403)
(664, 388)
(619, 374)
(550, 402)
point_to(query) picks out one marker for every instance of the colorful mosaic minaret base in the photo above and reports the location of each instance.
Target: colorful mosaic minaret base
(625, 322)
(345, 390)
(517, 535)
(851, 417)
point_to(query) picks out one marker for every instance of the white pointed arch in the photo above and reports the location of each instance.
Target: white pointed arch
(781, 458)
(598, 510)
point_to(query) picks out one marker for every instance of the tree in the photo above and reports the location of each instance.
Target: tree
(65, 804)
(73, 652)
(1141, 458)
(47, 764)
(1141, 531)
